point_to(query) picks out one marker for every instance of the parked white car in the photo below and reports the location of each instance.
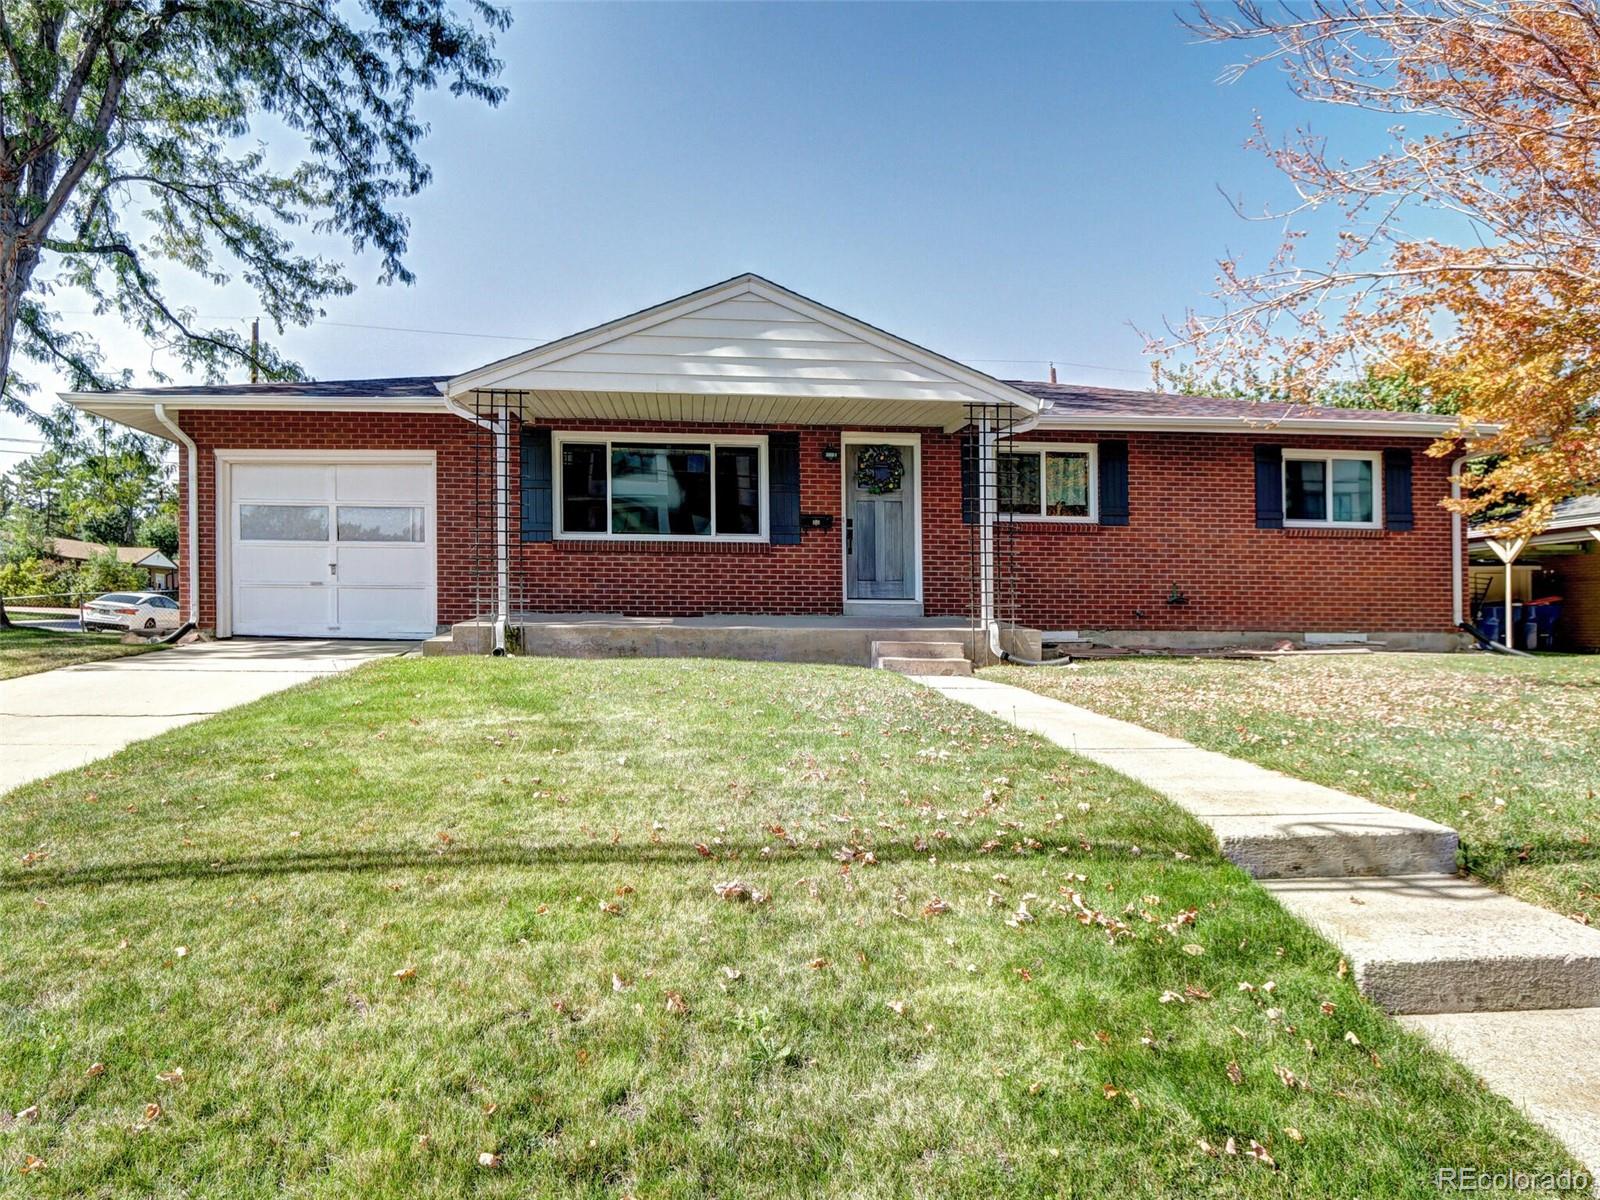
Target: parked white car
(141, 612)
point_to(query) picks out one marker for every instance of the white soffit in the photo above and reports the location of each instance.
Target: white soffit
(747, 337)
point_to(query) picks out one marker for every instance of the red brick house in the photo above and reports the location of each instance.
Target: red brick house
(746, 450)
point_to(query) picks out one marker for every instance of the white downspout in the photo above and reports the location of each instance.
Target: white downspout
(1457, 546)
(502, 549)
(192, 525)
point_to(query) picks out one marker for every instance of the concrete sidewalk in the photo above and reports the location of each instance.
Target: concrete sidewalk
(1510, 989)
(56, 720)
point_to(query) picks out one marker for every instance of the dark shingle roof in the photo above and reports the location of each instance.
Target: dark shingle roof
(400, 387)
(1081, 400)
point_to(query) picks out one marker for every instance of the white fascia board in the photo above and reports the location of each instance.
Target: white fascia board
(486, 377)
(139, 412)
(1247, 425)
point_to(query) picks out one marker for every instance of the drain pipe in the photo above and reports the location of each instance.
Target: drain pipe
(192, 524)
(500, 428)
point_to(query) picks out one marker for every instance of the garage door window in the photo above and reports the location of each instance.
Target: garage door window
(283, 523)
(386, 523)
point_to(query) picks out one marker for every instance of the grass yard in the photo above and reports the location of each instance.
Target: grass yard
(1505, 750)
(448, 927)
(25, 651)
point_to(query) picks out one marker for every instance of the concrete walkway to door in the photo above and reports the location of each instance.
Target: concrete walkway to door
(1510, 989)
(56, 720)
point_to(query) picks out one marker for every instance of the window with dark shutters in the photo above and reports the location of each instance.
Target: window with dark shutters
(1397, 509)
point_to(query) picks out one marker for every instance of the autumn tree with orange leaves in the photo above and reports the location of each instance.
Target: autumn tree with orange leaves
(1493, 113)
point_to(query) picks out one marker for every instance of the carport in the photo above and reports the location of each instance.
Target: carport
(1563, 560)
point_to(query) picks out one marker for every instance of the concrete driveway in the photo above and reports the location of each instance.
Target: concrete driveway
(65, 718)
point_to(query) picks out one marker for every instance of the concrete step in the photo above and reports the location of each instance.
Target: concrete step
(919, 649)
(1507, 1050)
(442, 644)
(922, 666)
(1442, 944)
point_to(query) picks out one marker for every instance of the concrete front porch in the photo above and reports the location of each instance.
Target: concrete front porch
(848, 641)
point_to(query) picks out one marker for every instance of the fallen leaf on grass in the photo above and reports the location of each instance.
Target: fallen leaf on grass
(818, 964)
(897, 1007)
(935, 907)
(676, 1003)
(1235, 1074)
(405, 973)
(96, 1070)
(1259, 1153)
(618, 983)
(489, 1159)
(31, 1163)
(29, 1114)
(173, 1076)
(611, 908)
(1293, 1134)
(1193, 948)
(182, 952)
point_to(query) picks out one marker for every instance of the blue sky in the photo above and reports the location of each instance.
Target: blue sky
(1007, 184)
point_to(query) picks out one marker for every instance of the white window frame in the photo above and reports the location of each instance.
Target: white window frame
(1042, 448)
(1327, 458)
(559, 440)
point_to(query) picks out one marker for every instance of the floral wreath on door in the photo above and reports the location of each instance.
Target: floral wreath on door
(880, 470)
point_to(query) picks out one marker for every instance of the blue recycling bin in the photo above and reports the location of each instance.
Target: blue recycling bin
(1545, 617)
(1489, 621)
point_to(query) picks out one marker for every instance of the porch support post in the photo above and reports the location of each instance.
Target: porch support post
(1507, 553)
(502, 517)
(988, 505)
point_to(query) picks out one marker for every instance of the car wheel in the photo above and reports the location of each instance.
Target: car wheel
(149, 622)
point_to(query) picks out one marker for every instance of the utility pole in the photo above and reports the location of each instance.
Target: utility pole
(255, 350)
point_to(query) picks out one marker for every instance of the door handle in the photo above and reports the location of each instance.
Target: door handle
(849, 536)
(333, 568)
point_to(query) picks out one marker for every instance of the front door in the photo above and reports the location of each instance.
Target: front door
(880, 521)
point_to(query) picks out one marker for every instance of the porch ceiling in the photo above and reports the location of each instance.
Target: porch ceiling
(727, 407)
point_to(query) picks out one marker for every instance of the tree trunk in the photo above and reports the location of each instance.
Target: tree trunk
(18, 260)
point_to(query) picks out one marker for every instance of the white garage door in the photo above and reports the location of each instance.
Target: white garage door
(338, 549)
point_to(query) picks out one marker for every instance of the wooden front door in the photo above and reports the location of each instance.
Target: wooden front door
(881, 522)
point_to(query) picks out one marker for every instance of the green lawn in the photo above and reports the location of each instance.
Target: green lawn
(1505, 750)
(25, 651)
(438, 909)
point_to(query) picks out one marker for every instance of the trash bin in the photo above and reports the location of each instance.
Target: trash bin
(1489, 622)
(1546, 612)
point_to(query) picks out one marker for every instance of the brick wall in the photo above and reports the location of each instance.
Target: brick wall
(1192, 523)
(1578, 584)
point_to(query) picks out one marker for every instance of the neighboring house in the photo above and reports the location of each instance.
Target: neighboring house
(745, 450)
(1562, 560)
(160, 571)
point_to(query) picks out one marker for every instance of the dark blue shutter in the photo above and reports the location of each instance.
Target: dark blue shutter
(1397, 489)
(969, 479)
(1269, 487)
(783, 488)
(1113, 483)
(537, 504)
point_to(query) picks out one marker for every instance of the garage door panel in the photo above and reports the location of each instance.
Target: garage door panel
(275, 610)
(383, 482)
(261, 481)
(281, 564)
(383, 565)
(384, 612)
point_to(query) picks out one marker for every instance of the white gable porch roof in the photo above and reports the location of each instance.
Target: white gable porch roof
(745, 350)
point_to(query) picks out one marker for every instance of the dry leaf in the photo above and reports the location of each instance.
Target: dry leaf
(152, 1112)
(182, 952)
(489, 1159)
(1194, 948)
(818, 964)
(611, 908)
(676, 1004)
(31, 1163)
(405, 973)
(1259, 1153)
(173, 1076)
(935, 907)
(897, 1007)
(1293, 1134)
(618, 983)
(1235, 1074)
(732, 891)
(96, 1070)
(29, 1114)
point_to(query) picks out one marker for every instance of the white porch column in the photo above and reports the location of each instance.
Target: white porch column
(1507, 553)
(502, 508)
(988, 506)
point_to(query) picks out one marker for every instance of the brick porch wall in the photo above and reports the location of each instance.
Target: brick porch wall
(1192, 523)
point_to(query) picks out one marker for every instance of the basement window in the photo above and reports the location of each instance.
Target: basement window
(1323, 489)
(1047, 482)
(645, 487)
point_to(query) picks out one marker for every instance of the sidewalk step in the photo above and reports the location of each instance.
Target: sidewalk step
(1441, 944)
(922, 666)
(441, 644)
(1506, 1050)
(918, 649)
